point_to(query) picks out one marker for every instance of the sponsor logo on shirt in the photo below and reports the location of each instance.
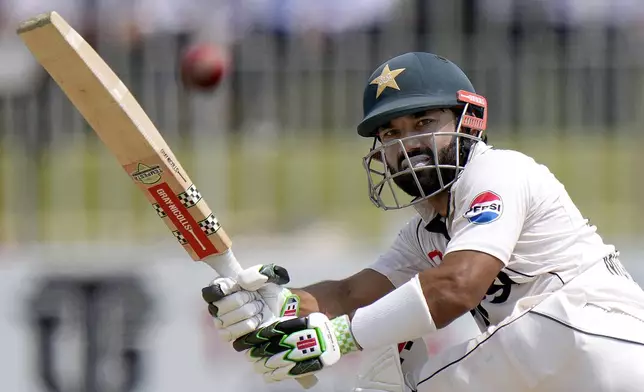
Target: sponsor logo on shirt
(485, 208)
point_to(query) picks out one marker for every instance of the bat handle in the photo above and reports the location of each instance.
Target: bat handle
(226, 264)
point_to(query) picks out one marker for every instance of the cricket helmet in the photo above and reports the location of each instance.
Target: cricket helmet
(411, 83)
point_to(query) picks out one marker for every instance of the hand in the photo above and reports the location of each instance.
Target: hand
(292, 347)
(241, 305)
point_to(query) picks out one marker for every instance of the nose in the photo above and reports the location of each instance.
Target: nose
(419, 142)
(413, 143)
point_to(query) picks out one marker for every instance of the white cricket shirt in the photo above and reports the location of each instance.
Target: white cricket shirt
(509, 206)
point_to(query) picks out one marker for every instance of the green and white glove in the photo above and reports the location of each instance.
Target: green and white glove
(292, 347)
(241, 305)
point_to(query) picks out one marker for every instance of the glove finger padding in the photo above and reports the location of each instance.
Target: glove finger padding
(277, 367)
(255, 277)
(310, 366)
(235, 301)
(294, 368)
(276, 331)
(219, 289)
(240, 313)
(250, 279)
(241, 328)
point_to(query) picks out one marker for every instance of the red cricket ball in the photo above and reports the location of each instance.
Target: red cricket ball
(203, 66)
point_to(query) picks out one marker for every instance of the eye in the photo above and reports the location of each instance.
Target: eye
(424, 123)
(389, 134)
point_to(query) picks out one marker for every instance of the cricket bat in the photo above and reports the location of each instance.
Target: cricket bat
(112, 111)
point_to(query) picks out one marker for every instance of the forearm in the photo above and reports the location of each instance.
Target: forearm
(446, 296)
(323, 297)
(337, 297)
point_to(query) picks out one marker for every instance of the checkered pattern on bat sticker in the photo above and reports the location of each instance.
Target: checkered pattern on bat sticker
(182, 240)
(188, 198)
(210, 225)
(159, 210)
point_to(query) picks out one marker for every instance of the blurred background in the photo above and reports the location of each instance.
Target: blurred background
(95, 293)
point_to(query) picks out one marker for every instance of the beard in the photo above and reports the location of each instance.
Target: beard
(427, 177)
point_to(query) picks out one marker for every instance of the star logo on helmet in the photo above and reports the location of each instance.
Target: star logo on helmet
(386, 79)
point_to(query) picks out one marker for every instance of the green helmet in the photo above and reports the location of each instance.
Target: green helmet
(409, 84)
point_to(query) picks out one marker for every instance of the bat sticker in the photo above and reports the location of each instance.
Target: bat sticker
(189, 198)
(187, 226)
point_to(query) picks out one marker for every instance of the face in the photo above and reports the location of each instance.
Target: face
(417, 135)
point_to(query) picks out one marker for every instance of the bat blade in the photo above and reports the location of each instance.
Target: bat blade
(124, 127)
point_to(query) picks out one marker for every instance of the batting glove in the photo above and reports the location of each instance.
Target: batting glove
(294, 347)
(255, 296)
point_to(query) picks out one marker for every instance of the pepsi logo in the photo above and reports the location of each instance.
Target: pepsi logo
(485, 208)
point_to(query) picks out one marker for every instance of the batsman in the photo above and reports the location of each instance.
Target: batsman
(496, 235)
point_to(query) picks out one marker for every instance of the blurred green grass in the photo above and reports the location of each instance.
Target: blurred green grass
(75, 191)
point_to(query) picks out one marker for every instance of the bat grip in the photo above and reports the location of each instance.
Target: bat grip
(226, 265)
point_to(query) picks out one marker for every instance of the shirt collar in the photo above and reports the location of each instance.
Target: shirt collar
(479, 148)
(426, 211)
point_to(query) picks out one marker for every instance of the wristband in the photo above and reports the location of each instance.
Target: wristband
(400, 316)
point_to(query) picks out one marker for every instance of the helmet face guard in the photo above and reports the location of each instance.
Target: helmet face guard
(386, 194)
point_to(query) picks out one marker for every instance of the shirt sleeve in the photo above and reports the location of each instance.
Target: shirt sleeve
(405, 258)
(490, 207)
